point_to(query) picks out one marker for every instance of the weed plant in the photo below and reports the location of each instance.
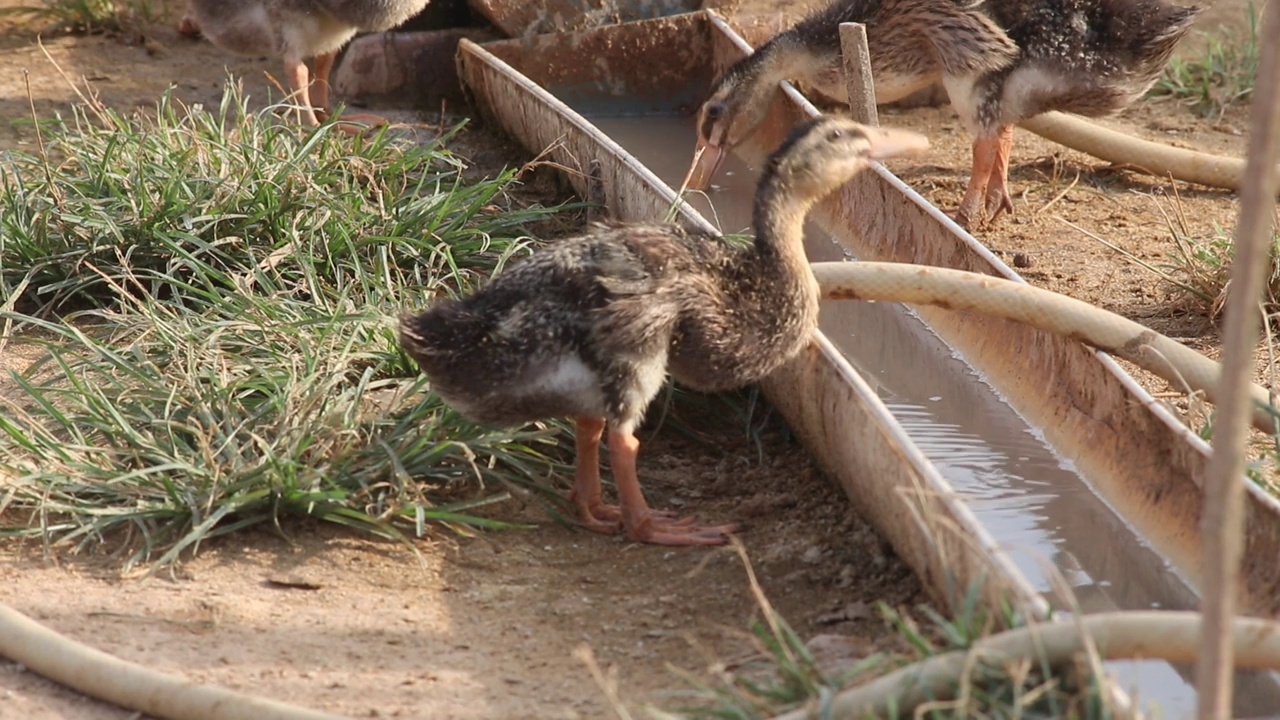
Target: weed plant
(216, 296)
(84, 16)
(1222, 76)
(991, 687)
(1200, 264)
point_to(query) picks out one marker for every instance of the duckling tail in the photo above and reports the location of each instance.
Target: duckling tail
(1152, 29)
(432, 333)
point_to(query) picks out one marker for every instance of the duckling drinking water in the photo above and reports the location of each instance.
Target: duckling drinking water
(1001, 61)
(589, 327)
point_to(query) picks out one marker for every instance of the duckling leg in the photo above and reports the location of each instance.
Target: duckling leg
(643, 524)
(299, 79)
(998, 199)
(587, 494)
(985, 151)
(352, 124)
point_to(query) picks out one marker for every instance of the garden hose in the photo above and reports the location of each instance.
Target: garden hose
(1042, 309)
(1146, 156)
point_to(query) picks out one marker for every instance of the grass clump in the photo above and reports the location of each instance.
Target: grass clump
(120, 201)
(1199, 266)
(991, 686)
(84, 16)
(224, 350)
(1223, 75)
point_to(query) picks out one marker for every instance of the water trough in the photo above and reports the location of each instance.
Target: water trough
(983, 450)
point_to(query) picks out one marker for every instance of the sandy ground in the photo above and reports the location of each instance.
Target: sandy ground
(466, 628)
(486, 627)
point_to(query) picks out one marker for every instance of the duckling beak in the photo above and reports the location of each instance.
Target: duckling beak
(706, 160)
(889, 143)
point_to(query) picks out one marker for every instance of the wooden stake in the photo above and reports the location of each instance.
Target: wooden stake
(857, 73)
(1223, 521)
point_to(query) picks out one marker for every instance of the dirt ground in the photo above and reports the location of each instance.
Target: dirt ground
(486, 628)
(470, 628)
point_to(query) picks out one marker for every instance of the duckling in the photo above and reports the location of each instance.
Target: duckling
(1001, 61)
(913, 44)
(297, 30)
(589, 327)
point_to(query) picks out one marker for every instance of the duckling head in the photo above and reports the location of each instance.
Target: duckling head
(740, 98)
(737, 105)
(825, 153)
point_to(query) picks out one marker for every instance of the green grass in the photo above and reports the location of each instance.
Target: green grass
(1199, 266)
(216, 294)
(1222, 76)
(992, 687)
(85, 15)
(218, 196)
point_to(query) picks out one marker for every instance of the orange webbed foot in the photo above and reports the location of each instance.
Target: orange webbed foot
(969, 215)
(999, 201)
(188, 27)
(606, 519)
(633, 515)
(987, 196)
(651, 527)
(355, 124)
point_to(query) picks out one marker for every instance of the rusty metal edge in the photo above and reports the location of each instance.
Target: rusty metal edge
(1136, 452)
(842, 422)
(520, 18)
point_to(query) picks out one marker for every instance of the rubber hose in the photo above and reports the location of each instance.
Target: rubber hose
(1042, 309)
(129, 685)
(1152, 158)
(1147, 635)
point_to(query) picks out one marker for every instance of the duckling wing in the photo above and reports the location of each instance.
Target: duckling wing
(580, 328)
(638, 273)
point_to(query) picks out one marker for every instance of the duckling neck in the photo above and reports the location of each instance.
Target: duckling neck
(785, 57)
(778, 220)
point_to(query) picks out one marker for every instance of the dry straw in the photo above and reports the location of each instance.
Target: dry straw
(1223, 521)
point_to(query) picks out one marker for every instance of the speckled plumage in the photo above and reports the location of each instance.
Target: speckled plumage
(616, 299)
(295, 30)
(913, 44)
(1002, 62)
(1089, 57)
(589, 327)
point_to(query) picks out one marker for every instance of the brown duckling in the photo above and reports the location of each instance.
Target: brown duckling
(296, 30)
(589, 327)
(1001, 61)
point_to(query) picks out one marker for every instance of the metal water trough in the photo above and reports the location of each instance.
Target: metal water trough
(824, 399)
(523, 18)
(1136, 453)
